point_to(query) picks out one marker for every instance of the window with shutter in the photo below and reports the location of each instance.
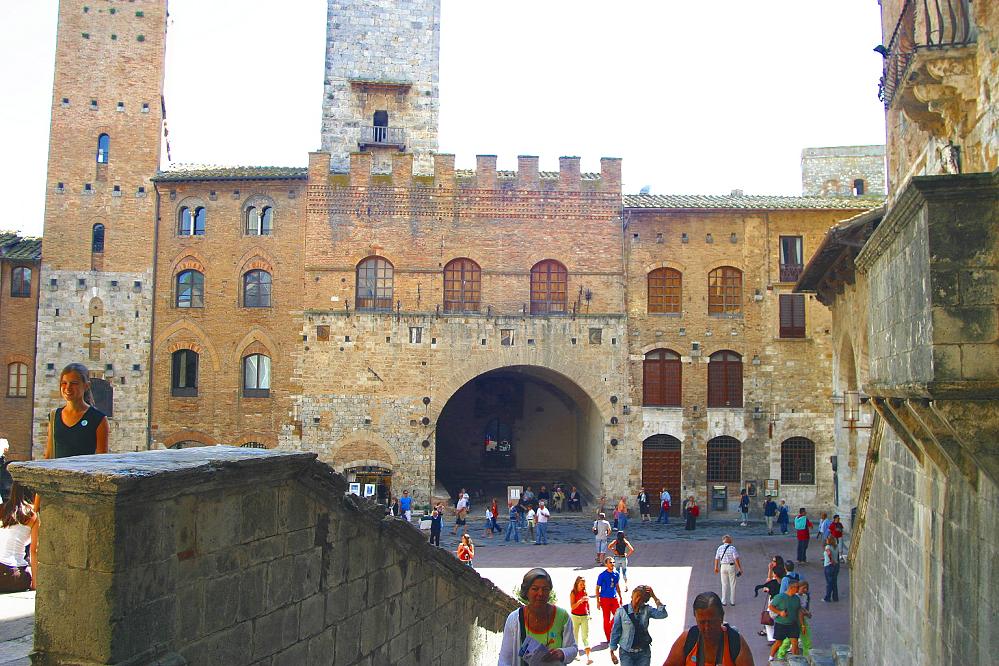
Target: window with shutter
(792, 315)
(725, 379)
(661, 378)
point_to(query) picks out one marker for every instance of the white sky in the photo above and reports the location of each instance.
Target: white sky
(696, 97)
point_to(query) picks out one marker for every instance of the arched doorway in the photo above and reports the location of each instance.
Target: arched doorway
(661, 468)
(519, 425)
(371, 478)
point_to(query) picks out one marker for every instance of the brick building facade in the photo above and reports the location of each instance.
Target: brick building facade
(416, 325)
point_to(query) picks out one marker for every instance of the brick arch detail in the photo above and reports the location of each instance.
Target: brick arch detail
(19, 358)
(706, 352)
(256, 341)
(255, 259)
(722, 263)
(660, 345)
(675, 265)
(190, 330)
(362, 447)
(257, 199)
(188, 259)
(191, 436)
(268, 440)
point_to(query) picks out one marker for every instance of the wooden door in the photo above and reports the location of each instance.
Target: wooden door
(661, 468)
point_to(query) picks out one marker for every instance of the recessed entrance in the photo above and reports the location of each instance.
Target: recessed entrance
(661, 468)
(519, 425)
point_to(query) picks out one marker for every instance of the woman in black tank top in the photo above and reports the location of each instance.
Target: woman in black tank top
(622, 548)
(78, 428)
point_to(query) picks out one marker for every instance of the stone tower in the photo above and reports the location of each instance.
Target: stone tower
(843, 171)
(381, 83)
(96, 295)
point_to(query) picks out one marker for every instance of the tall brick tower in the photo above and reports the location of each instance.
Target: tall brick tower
(381, 88)
(100, 210)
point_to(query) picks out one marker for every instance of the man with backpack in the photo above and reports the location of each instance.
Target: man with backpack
(719, 643)
(803, 527)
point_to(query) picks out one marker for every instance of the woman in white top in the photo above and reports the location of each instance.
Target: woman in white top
(17, 517)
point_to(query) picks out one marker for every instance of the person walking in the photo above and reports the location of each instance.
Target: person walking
(539, 620)
(466, 550)
(542, 516)
(601, 531)
(436, 523)
(630, 632)
(460, 512)
(406, 506)
(769, 514)
(692, 511)
(531, 517)
(665, 500)
(488, 534)
(621, 549)
(782, 517)
(579, 611)
(803, 528)
(830, 566)
(710, 640)
(621, 514)
(495, 511)
(513, 524)
(643, 506)
(787, 611)
(744, 507)
(608, 594)
(729, 567)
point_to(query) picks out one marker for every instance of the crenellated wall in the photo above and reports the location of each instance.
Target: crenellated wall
(237, 556)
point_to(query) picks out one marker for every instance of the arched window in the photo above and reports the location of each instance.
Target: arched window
(374, 284)
(190, 289)
(97, 238)
(257, 289)
(257, 376)
(103, 148)
(184, 373)
(725, 379)
(549, 287)
(725, 292)
(191, 221)
(797, 461)
(462, 286)
(724, 460)
(17, 380)
(20, 282)
(665, 286)
(858, 187)
(661, 373)
(259, 220)
(103, 392)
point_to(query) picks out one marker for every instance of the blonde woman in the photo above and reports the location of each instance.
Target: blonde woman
(579, 612)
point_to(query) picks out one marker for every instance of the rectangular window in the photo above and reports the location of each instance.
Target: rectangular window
(415, 335)
(17, 380)
(506, 337)
(791, 258)
(792, 315)
(20, 282)
(323, 333)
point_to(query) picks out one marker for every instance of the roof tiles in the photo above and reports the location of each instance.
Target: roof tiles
(748, 202)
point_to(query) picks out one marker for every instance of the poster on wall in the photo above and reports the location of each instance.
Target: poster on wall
(751, 488)
(354, 489)
(770, 488)
(369, 490)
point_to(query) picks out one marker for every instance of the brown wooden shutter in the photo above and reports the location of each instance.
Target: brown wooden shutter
(733, 372)
(792, 315)
(652, 383)
(671, 386)
(716, 383)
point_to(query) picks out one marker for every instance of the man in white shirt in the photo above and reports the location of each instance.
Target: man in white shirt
(460, 511)
(727, 564)
(601, 530)
(541, 516)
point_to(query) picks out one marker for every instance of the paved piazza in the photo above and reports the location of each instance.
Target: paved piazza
(678, 566)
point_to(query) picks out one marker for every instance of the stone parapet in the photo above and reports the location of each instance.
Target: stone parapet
(237, 556)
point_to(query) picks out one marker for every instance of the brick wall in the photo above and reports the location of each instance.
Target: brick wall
(238, 556)
(18, 317)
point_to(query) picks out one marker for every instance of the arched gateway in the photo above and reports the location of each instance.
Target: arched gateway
(520, 425)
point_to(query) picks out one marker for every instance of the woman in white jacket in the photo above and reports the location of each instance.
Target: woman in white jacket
(547, 624)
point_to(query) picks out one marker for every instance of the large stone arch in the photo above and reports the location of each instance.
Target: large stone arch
(362, 448)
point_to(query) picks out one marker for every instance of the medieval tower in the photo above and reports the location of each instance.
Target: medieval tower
(100, 212)
(381, 82)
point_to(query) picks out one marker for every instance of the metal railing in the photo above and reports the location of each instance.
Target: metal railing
(790, 272)
(375, 135)
(923, 24)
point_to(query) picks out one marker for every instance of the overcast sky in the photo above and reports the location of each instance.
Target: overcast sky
(696, 97)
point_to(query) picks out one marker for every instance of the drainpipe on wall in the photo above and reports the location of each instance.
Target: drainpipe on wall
(152, 322)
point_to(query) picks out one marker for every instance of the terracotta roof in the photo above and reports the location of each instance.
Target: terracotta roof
(192, 172)
(19, 248)
(748, 202)
(842, 242)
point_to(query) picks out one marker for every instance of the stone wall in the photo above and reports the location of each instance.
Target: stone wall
(834, 170)
(236, 556)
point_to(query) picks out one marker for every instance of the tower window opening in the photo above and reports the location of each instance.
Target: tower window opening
(103, 148)
(380, 123)
(858, 187)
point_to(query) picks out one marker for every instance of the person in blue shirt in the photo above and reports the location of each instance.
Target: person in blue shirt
(406, 506)
(783, 518)
(769, 513)
(512, 526)
(608, 594)
(630, 632)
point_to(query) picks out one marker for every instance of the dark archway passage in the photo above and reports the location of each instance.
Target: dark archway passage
(519, 425)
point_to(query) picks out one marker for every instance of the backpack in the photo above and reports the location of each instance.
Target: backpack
(734, 641)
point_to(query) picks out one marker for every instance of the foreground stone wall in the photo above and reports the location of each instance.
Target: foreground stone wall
(240, 556)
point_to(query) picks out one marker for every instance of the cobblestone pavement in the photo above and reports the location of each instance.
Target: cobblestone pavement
(678, 564)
